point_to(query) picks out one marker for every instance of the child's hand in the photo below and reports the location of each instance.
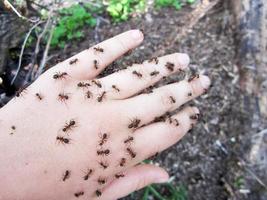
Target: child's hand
(71, 135)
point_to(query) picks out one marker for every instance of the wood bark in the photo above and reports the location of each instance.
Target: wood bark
(251, 23)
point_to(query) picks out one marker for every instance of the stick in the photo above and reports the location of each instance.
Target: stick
(22, 50)
(9, 5)
(42, 65)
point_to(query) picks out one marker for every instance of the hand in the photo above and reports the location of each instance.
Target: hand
(70, 134)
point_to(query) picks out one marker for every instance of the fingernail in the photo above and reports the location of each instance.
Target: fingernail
(162, 179)
(184, 60)
(136, 34)
(205, 81)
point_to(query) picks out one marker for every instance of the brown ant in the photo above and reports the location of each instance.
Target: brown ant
(101, 181)
(74, 61)
(78, 194)
(154, 59)
(83, 85)
(95, 64)
(115, 88)
(88, 94)
(63, 97)
(101, 97)
(134, 123)
(63, 140)
(194, 76)
(97, 83)
(105, 152)
(60, 75)
(195, 117)
(169, 66)
(13, 128)
(128, 52)
(172, 99)
(103, 139)
(122, 162)
(98, 193)
(131, 152)
(159, 119)
(66, 175)
(154, 73)
(129, 140)
(69, 126)
(138, 74)
(176, 122)
(189, 94)
(39, 96)
(99, 49)
(22, 90)
(119, 175)
(88, 174)
(103, 164)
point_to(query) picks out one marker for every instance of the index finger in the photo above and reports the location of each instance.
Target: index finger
(90, 62)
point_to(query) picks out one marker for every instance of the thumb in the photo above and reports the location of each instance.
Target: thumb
(135, 178)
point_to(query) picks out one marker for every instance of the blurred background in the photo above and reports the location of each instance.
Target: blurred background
(225, 155)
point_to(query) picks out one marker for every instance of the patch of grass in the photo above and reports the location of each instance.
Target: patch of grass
(120, 10)
(70, 24)
(177, 4)
(172, 192)
(239, 182)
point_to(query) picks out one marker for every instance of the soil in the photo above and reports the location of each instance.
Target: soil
(208, 161)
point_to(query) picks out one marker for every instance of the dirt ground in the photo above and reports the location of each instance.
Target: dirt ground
(208, 161)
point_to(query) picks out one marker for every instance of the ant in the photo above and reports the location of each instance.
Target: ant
(154, 73)
(63, 97)
(134, 123)
(131, 152)
(103, 139)
(155, 59)
(138, 74)
(104, 165)
(122, 162)
(115, 88)
(176, 122)
(169, 66)
(83, 85)
(101, 181)
(159, 119)
(105, 152)
(88, 174)
(69, 126)
(66, 175)
(189, 94)
(60, 75)
(13, 128)
(78, 194)
(97, 83)
(98, 193)
(22, 90)
(195, 117)
(74, 61)
(95, 64)
(191, 78)
(88, 94)
(99, 49)
(172, 99)
(101, 97)
(63, 140)
(119, 175)
(39, 96)
(129, 140)
(128, 52)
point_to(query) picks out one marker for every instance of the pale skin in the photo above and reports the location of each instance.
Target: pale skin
(54, 147)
